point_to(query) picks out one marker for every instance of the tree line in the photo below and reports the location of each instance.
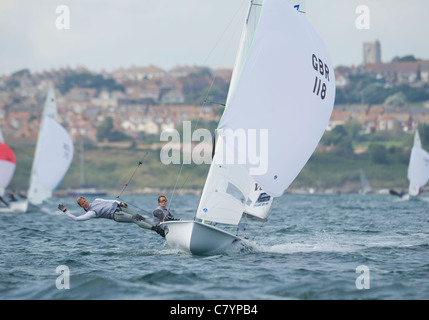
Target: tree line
(382, 147)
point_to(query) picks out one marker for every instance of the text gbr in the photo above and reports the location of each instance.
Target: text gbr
(323, 69)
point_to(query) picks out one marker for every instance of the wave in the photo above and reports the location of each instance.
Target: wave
(289, 248)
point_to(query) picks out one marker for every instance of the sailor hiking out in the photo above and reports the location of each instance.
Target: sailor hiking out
(110, 209)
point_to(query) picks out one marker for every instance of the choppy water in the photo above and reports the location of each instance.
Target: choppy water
(309, 249)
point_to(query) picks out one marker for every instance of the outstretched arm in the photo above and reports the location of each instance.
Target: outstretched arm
(88, 215)
(84, 217)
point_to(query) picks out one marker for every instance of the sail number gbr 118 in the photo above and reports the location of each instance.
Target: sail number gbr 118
(322, 75)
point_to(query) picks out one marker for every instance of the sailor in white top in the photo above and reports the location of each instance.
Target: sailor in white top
(110, 209)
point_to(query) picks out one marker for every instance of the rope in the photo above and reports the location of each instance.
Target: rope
(273, 205)
(136, 207)
(206, 96)
(132, 175)
(128, 182)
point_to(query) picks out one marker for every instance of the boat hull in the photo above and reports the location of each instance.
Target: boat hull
(20, 206)
(197, 238)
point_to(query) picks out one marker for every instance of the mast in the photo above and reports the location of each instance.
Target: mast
(82, 164)
(252, 3)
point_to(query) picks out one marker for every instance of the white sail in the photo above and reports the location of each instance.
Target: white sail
(418, 168)
(288, 92)
(249, 111)
(53, 155)
(258, 203)
(299, 5)
(417, 142)
(225, 192)
(278, 106)
(249, 28)
(230, 191)
(366, 188)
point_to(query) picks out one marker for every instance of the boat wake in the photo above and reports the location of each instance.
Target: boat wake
(294, 247)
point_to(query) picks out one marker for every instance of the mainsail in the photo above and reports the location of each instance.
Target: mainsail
(278, 105)
(53, 155)
(366, 188)
(418, 168)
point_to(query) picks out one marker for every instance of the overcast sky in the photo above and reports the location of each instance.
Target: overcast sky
(108, 34)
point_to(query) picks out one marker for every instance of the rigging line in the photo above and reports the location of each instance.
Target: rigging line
(228, 26)
(175, 185)
(245, 227)
(135, 206)
(250, 9)
(182, 165)
(195, 126)
(273, 205)
(258, 231)
(208, 91)
(213, 49)
(132, 175)
(214, 102)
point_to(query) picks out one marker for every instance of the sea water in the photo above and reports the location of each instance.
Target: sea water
(313, 247)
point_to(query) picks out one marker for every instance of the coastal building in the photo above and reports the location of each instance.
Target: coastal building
(371, 52)
(150, 100)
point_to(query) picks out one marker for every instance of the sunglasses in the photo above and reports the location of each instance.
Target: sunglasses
(163, 201)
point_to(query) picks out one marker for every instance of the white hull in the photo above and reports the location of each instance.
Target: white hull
(16, 207)
(408, 197)
(197, 238)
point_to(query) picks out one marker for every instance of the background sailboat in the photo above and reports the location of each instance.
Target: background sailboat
(418, 168)
(53, 154)
(7, 169)
(280, 99)
(7, 164)
(365, 186)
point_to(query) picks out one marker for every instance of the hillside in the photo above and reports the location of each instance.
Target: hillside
(111, 167)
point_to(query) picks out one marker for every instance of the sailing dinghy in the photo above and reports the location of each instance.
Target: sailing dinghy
(418, 168)
(7, 169)
(53, 155)
(418, 171)
(7, 164)
(366, 188)
(279, 103)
